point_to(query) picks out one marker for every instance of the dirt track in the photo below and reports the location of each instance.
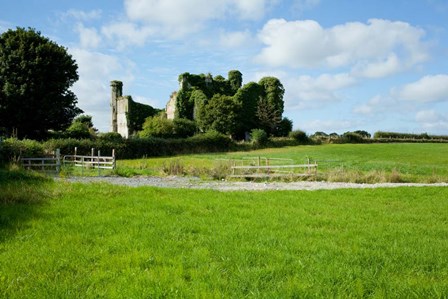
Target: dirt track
(196, 183)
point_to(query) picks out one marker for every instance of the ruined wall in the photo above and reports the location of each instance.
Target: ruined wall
(127, 116)
(171, 106)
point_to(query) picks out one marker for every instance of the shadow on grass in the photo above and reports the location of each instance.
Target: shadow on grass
(22, 194)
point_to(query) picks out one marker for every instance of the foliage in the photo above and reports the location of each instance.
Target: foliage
(299, 136)
(184, 104)
(248, 97)
(137, 115)
(220, 114)
(352, 137)
(235, 80)
(11, 149)
(184, 128)
(259, 137)
(273, 93)
(407, 136)
(157, 126)
(284, 128)
(81, 127)
(35, 77)
(110, 136)
(260, 104)
(268, 118)
(363, 134)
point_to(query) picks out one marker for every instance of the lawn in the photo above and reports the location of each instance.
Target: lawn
(83, 241)
(362, 163)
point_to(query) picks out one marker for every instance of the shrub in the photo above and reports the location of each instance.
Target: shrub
(299, 136)
(157, 126)
(13, 149)
(352, 137)
(184, 128)
(258, 137)
(110, 136)
(284, 128)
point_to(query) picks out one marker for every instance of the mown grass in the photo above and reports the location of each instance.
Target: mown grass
(85, 241)
(361, 163)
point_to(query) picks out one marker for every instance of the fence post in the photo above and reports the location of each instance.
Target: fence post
(113, 159)
(58, 160)
(99, 169)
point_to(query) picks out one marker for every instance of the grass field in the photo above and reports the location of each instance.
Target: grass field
(87, 241)
(362, 163)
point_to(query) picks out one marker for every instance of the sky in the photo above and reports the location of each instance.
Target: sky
(373, 65)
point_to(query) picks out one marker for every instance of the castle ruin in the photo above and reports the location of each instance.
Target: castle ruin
(127, 116)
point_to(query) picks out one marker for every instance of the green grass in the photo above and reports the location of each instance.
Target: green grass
(362, 163)
(85, 241)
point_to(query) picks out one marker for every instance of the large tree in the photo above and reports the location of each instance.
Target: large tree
(35, 77)
(219, 114)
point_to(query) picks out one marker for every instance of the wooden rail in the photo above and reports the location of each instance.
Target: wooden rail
(91, 162)
(43, 164)
(257, 170)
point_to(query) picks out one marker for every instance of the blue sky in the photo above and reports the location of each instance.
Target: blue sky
(346, 65)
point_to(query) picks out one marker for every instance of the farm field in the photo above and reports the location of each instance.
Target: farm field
(80, 240)
(360, 163)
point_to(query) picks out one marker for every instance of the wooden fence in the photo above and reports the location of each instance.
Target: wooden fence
(260, 167)
(45, 164)
(91, 162)
(54, 164)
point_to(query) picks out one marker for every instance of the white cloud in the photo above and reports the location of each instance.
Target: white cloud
(377, 104)
(328, 125)
(307, 91)
(378, 69)
(81, 15)
(125, 34)
(427, 89)
(180, 17)
(252, 9)
(432, 120)
(235, 39)
(88, 37)
(375, 49)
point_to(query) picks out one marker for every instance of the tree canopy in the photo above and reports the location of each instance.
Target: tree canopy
(231, 108)
(35, 77)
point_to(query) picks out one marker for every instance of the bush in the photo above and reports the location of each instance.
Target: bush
(284, 128)
(259, 137)
(111, 137)
(352, 137)
(13, 149)
(184, 128)
(299, 136)
(157, 126)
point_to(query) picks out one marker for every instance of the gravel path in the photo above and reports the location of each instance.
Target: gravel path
(197, 183)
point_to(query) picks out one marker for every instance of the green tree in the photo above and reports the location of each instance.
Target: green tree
(220, 114)
(81, 127)
(35, 77)
(248, 97)
(273, 92)
(268, 118)
(236, 80)
(157, 126)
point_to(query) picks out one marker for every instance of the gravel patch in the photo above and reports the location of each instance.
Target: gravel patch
(197, 183)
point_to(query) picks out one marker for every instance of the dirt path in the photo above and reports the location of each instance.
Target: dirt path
(196, 183)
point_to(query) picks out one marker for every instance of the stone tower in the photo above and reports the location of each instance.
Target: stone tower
(117, 92)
